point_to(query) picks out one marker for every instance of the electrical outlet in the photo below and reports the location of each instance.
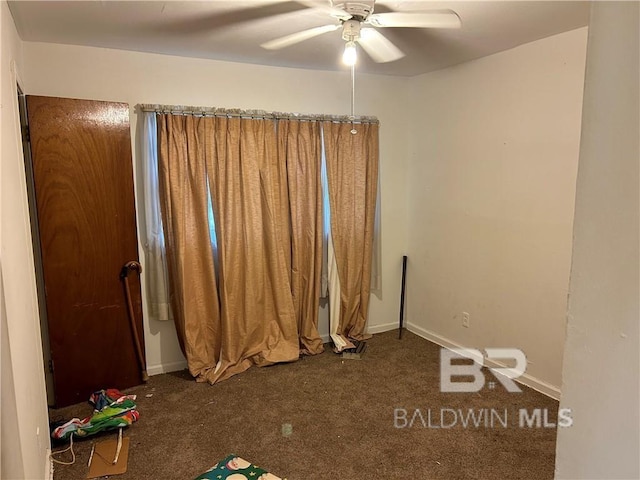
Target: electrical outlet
(465, 319)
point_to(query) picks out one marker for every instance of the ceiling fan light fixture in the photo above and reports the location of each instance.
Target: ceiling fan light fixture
(350, 54)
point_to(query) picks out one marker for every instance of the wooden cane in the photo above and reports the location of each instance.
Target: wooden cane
(124, 275)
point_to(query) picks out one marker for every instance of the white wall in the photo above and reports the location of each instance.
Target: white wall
(25, 425)
(494, 153)
(601, 362)
(102, 74)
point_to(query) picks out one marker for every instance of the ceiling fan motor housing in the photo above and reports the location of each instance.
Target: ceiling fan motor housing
(358, 10)
(351, 30)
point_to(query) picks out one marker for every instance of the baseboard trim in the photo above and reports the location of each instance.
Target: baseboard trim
(385, 327)
(166, 368)
(48, 466)
(526, 379)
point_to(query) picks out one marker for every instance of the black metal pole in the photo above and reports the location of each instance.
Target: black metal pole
(404, 278)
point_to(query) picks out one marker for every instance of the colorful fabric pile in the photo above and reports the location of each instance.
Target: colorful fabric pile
(236, 468)
(112, 409)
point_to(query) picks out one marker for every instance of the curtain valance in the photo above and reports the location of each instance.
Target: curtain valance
(255, 114)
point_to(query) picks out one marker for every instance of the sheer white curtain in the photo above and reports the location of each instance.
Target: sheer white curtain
(156, 263)
(376, 260)
(330, 286)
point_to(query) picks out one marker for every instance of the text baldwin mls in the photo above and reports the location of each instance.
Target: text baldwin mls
(479, 418)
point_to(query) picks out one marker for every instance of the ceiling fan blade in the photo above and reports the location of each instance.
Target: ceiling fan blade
(433, 19)
(297, 37)
(326, 7)
(206, 16)
(378, 47)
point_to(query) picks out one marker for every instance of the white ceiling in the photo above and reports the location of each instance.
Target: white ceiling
(233, 30)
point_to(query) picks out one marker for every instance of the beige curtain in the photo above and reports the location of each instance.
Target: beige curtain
(264, 180)
(183, 147)
(299, 150)
(248, 184)
(352, 171)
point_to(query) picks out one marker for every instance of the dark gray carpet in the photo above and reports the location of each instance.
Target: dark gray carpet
(341, 414)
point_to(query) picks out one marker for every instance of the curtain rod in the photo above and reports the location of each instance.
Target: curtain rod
(253, 114)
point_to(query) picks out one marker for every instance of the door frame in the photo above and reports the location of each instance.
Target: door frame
(37, 248)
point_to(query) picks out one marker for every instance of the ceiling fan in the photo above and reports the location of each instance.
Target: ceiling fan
(359, 23)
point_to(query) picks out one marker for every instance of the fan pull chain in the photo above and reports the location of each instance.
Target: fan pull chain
(353, 99)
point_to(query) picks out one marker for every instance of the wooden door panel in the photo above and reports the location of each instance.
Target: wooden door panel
(81, 153)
